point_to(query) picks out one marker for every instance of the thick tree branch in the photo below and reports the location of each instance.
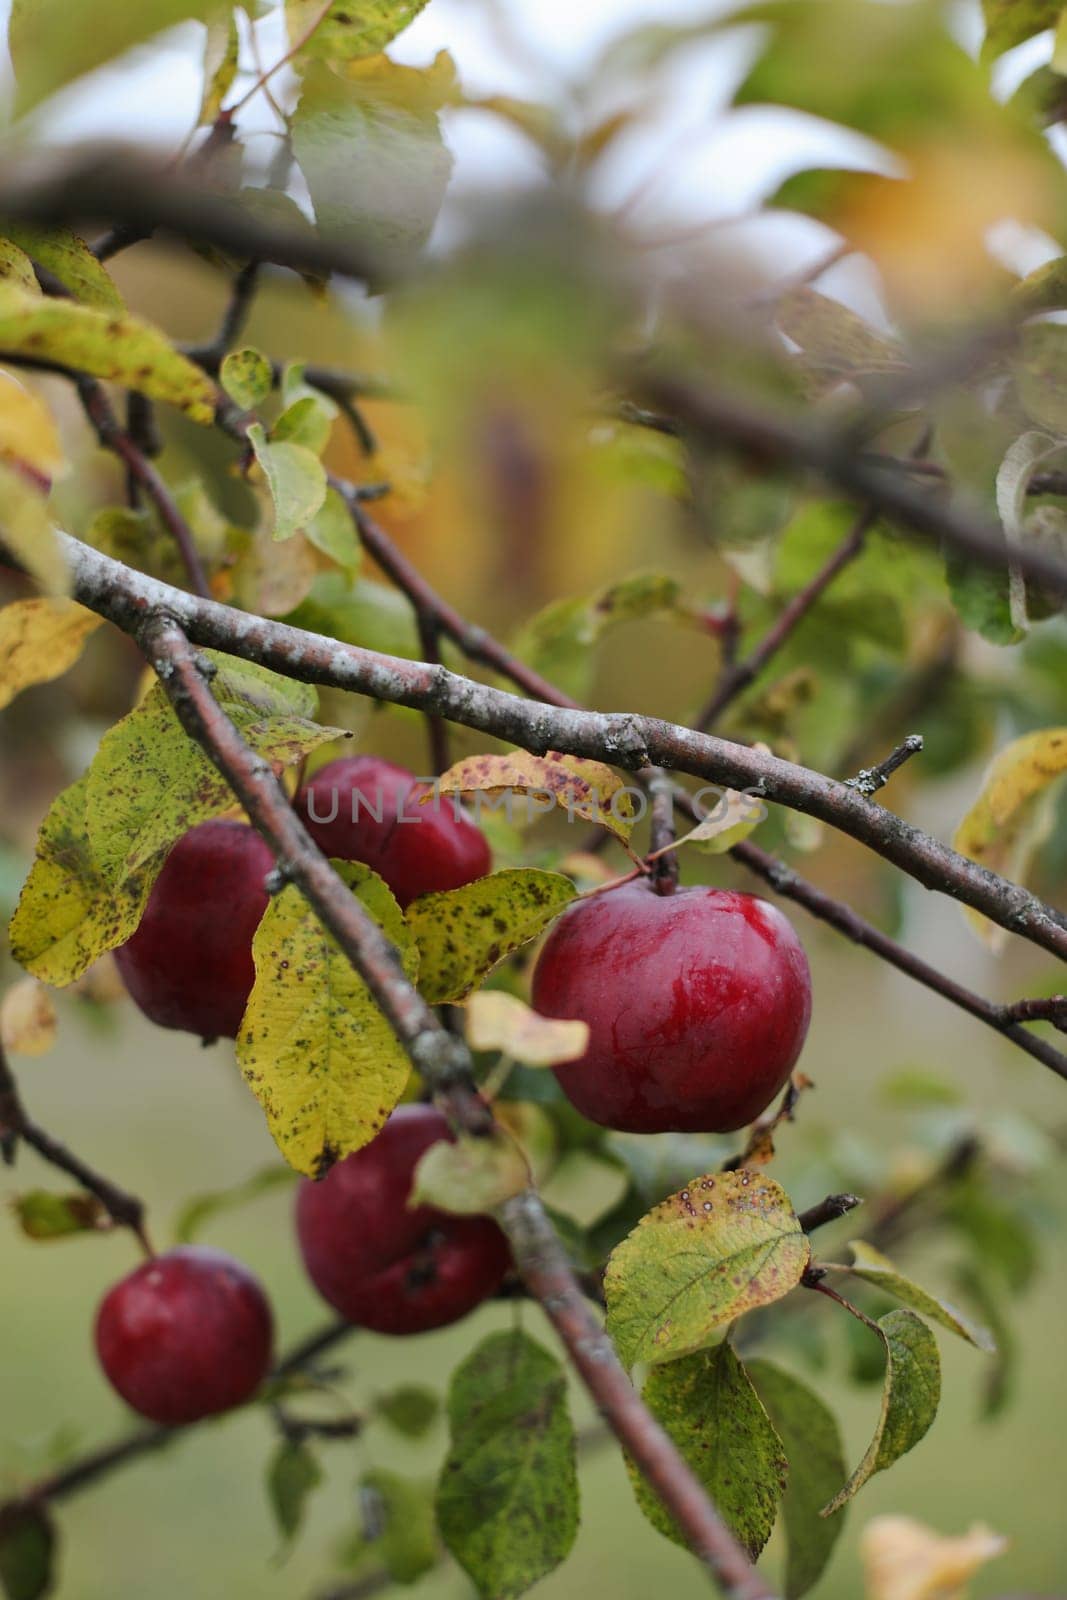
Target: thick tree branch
(718, 419)
(628, 741)
(444, 1062)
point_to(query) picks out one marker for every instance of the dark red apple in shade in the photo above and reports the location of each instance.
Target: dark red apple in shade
(362, 808)
(185, 1336)
(697, 1004)
(380, 1264)
(189, 965)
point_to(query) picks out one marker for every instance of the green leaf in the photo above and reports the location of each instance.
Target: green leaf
(404, 1537)
(55, 1216)
(314, 1048)
(222, 47)
(369, 614)
(149, 783)
(70, 911)
(69, 259)
(352, 28)
(709, 1408)
(462, 934)
(1041, 374)
(471, 1175)
(410, 1408)
(40, 639)
(1010, 22)
(105, 344)
(27, 1551)
(291, 1476)
(812, 1442)
(1013, 814)
(723, 1245)
(586, 789)
(980, 596)
(909, 1399)
(16, 267)
(558, 642)
(333, 531)
(834, 342)
(977, 1283)
(247, 376)
(53, 42)
(308, 422)
(370, 148)
(873, 1267)
(202, 1208)
(507, 1502)
(296, 480)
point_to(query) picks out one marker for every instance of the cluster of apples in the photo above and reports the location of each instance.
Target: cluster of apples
(697, 1001)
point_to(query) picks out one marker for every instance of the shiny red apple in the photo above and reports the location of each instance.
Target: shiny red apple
(698, 1004)
(362, 808)
(185, 1336)
(189, 965)
(380, 1264)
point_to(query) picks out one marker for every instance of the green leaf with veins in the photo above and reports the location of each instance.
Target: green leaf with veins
(291, 1476)
(247, 376)
(507, 1501)
(709, 1408)
(909, 1399)
(69, 259)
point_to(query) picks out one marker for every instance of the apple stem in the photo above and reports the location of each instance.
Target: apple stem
(663, 858)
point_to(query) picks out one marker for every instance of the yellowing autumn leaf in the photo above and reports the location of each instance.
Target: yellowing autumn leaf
(1012, 814)
(585, 789)
(27, 430)
(39, 640)
(903, 1560)
(27, 1019)
(499, 1021)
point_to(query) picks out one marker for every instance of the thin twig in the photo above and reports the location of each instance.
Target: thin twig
(294, 50)
(121, 1206)
(831, 1209)
(740, 674)
(1053, 1009)
(870, 779)
(436, 726)
(663, 857)
(234, 318)
(444, 1062)
(720, 419)
(113, 437)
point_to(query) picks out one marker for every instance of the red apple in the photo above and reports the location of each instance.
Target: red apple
(362, 808)
(189, 965)
(185, 1336)
(697, 1002)
(380, 1264)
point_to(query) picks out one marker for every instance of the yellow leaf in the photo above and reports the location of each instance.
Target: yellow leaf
(27, 1019)
(106, 344)
(731, 819)
(314, 1048)
(499, 1021)
(27, 430)
(39, 640)
(27, 531)
(585, 789)
(462, 934)
(1012, 814)
(16, 265)
(69, 913)
(903, 1560)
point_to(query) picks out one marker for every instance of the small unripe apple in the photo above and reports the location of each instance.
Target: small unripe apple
(698, 1004)
(189, 965)
(362, 808)
(380, 1264)
(186, 1335)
